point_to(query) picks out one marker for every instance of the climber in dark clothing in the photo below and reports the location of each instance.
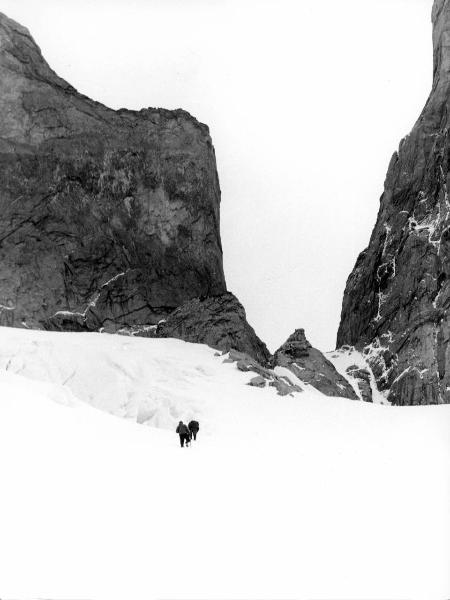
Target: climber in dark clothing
(184, 434)
(193, 428)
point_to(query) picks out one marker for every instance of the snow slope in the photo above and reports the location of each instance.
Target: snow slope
(296, 497)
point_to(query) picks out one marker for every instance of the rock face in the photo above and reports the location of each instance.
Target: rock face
(245, 363)
(397, 298)
(362, 377)
(311, 366)
(108, 218)
(217, 321)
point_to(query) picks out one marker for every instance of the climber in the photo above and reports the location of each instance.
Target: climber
(184, 434)
(193, 429)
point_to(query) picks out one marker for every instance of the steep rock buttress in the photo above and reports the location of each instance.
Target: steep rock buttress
(108, 219)
(397, 298)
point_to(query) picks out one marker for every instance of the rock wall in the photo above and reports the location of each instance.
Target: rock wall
(397, 298)
(108, 219)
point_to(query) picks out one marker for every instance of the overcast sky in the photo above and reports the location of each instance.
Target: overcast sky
(306, 102)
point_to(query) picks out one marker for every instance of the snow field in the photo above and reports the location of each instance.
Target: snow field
(295, 497)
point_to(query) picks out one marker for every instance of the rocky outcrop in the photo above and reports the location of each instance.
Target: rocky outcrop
(310, 366)
(245, 363)
(397, 298)
(219, 322)
(257, 381)
(362, 378)
(108, 219)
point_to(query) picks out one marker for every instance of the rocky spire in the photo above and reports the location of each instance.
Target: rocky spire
(397, 298)
(310, 366)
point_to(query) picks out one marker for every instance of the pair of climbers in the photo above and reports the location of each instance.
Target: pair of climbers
(187, 432)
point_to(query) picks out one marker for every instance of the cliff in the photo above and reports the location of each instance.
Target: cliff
(108, 219)
(396, 301)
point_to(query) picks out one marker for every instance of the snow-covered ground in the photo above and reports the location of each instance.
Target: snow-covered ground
(280, 498)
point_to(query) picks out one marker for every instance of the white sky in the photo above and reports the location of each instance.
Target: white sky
(306, 102)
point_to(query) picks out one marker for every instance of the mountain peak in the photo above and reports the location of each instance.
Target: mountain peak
(12, 26)
(21, 56)
(441, 39)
